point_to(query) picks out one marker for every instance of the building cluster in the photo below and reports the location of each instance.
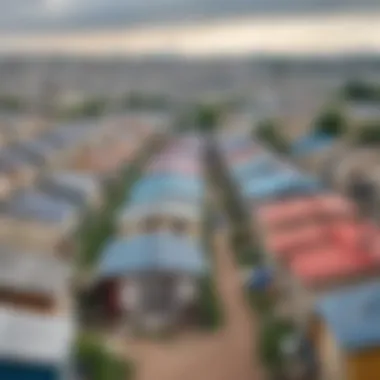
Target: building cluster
(46, 192)
(150, 272)
(320, 255)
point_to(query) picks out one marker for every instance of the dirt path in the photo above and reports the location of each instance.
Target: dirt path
(225, 355)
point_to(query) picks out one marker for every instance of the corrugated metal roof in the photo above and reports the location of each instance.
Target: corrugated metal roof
(312, 143)
(166, 208)
(41, 273)
(151, 252)
(34, 205)
(150, 188)
(353, 316)
(34, 338)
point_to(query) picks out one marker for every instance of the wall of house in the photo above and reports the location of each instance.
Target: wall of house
(331, 359)
(364, 365)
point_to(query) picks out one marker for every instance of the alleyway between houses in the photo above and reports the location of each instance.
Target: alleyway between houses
(224, 355)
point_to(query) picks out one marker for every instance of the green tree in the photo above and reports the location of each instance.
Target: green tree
(361, 91)
(207, 117)
(330, 122)
(268, 132)
(368, 134)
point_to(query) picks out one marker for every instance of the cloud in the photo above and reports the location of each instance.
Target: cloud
(24, 15)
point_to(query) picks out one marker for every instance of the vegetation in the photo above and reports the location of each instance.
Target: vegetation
(273, 332)
(368, 134)
(331, 123)
(92, 107)
(268, 132)
(136, 101)
(11, 103)
(361, 91)
(96, 362)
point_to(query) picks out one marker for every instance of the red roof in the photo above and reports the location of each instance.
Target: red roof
(353, 250)
(330, 264)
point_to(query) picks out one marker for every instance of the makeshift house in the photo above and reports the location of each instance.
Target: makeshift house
(17, 169)
(35, 347)
(166, 187)
(81, 190)
(35, 281)
(151, 280)
(37, 221)
(177, 217)
(346, 332)
(310, 151)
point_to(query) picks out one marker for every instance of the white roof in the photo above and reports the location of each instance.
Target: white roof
(31, 337)
(169, 208)
(83, 182)
(32, 272)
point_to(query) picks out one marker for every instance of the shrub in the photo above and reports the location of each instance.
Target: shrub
(268, 132)
(331, 123)
(96, 362)
(210, 312)
(361, 91)
(273, 331)
(368, 134)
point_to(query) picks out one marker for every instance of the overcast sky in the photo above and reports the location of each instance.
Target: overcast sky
(45, 15)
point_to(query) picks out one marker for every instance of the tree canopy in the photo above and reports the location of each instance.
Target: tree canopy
(330, 122)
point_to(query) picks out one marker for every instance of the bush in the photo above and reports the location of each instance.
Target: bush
(331, 123)
(361, 91)
(273, 331)
(210, 312)
(368, 134)
(268, 132)
(96, 362)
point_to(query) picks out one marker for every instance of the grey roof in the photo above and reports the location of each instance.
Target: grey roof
(34, 272)
(35, 338)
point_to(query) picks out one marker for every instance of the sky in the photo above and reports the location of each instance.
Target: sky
(48, 15)
(189, 26)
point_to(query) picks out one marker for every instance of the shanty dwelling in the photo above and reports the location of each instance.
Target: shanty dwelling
(346, 332)
(361, 113)
(82, 190)
(311, 151)
(291, 226)
(17, 128)
(179, 218)
(316, 272)
(165, 187)
(17, 169)
(35, 281)
(35, 347)
(37, 221)
(151, 281)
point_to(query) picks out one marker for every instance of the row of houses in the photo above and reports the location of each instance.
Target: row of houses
(320, 255)
(38, 248)
(150, 272)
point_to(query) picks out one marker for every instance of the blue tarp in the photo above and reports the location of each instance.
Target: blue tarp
(260, 279)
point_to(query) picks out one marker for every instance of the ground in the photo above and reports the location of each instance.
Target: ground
(227, 354)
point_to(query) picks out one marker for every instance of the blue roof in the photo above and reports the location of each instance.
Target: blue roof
(312, 143)
(353, 315)
(157, 252)
(151, 188)
(287, 183)
(259, 168)
(31, 204)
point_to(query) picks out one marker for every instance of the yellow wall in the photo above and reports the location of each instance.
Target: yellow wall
(364, 365)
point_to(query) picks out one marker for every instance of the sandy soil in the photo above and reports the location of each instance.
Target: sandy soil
(225, 355)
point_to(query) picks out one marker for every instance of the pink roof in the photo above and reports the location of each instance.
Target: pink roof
(328, 204)
(331, 264)
(287, 244)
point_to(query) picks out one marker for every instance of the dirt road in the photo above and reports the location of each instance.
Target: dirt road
(225, 355)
